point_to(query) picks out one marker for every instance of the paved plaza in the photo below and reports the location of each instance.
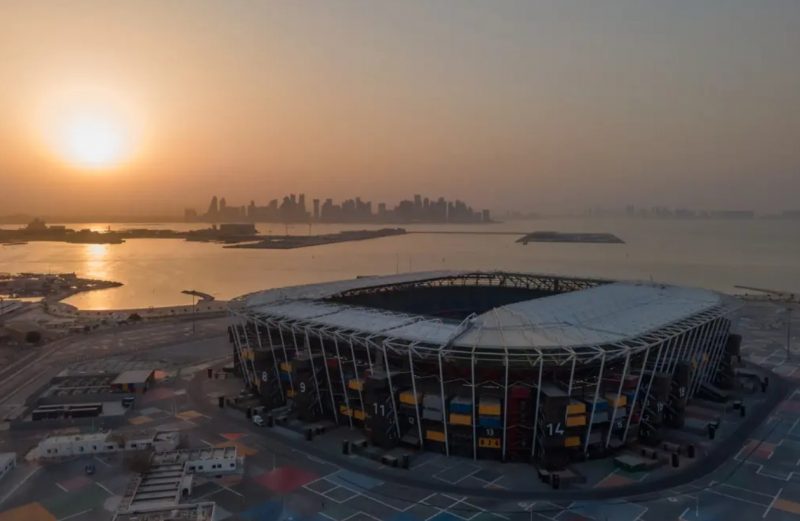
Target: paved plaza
(286, 479)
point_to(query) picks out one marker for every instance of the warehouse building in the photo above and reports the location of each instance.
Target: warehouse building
(487, 364)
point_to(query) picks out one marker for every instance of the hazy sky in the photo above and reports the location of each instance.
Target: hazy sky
(535, 105)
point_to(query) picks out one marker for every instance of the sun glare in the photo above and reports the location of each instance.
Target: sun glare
(94, 142)
(89, 127)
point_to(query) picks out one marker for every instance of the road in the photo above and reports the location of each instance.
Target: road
(21, 379)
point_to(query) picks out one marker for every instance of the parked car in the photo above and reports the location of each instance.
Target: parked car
(258, 420)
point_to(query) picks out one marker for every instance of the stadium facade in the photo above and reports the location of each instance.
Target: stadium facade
(487, 364)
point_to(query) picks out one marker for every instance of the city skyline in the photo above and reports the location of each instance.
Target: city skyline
(293, 208)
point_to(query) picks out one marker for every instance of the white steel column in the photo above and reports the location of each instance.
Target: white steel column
(251, 356)
(572, 375)
(708, 351)
(444, 406)
(723, 345)
(313, 367)
(636, 392)
(286, 358)
(328, 377)
(716, 351)
(692, 337)
(474, 408)
(619, 393)
(694, 365)
(238, 342)
(505, 408)
(358, 377)
(698, 350)
(594, 402)
(272, 354)
(536, 408)
(344, 385)
(678, 350)
(416, 397)
(662, 350)
(661, 364)
(391, 390)
(369, 356)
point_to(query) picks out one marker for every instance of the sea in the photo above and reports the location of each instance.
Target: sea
(715, 254)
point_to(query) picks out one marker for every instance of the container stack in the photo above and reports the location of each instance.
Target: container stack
(490, 427)
(551, 437)
(433, 422)
(380, 419)
(653, 413)
(519, 423)
(574, 423)
(268, 380)
(408, 412)
(459, 426)
(285, 375)
(618, 412)
(355, 387)
(679, 393)
(305, 375)
(599, 422)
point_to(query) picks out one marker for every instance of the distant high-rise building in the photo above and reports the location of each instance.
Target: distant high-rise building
(213, 207)
(316, 209)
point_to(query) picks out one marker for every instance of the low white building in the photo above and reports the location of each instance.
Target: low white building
(212, 460)
(64, 446)
(8, 460)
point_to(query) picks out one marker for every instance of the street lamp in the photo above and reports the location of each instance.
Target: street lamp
(788, 331)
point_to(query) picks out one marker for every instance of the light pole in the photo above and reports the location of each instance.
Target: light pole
(194, 310)
(788, 331)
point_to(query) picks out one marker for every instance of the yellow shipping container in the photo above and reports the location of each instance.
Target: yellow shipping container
(344, 410)
(289, 393)
(489, 410)
(460, 419)
(489, 443)
(286, 366)
(614, 402)
(408, 398)
(576, 421)
(358, 414)
(355, 384)
(572, 441)
(434, 436)
(576, 408)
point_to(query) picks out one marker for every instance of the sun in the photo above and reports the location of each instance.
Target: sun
(94, 141)
(90, 127)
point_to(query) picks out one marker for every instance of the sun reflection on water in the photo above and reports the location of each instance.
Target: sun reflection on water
(95, 261)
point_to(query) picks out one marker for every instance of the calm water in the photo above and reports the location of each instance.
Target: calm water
(713, 254)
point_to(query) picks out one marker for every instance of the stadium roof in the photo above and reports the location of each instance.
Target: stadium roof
(604, 314)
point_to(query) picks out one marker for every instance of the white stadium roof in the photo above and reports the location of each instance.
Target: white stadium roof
(605, 314)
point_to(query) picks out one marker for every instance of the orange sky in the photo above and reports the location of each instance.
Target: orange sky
(551, 105)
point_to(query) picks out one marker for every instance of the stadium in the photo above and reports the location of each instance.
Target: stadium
(500, 365)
